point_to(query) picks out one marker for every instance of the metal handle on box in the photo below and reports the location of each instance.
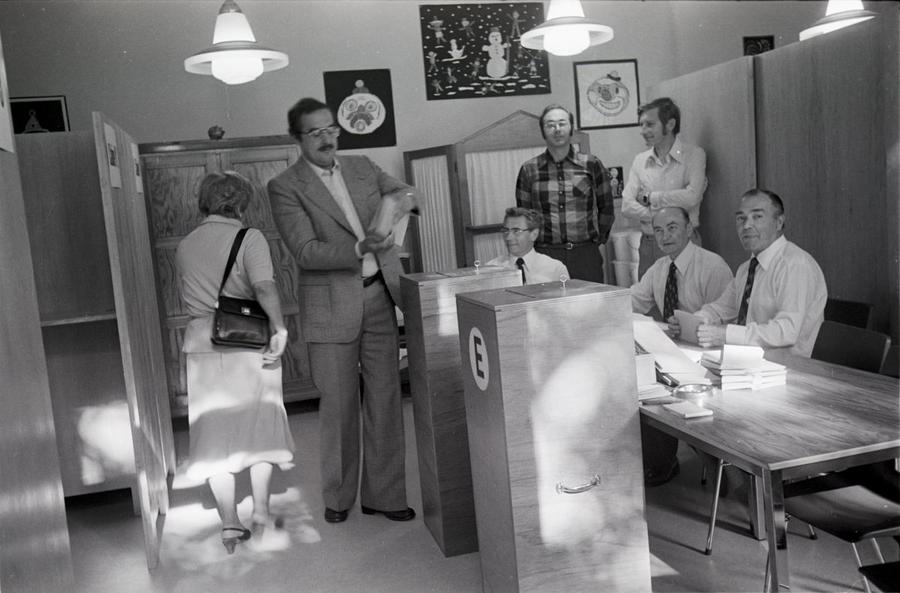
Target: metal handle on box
(563, 489)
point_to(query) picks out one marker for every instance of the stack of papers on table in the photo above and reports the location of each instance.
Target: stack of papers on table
(651, 391)
(743, 367)
(669, 357)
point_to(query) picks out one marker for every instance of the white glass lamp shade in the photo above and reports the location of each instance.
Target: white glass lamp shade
(235, 57)
(566, 32)
(838, 14)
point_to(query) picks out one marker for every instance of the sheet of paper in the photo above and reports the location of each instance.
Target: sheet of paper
(741, 357)
(669, 357)
(689, 324)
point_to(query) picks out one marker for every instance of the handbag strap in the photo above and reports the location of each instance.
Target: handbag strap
(232, 256)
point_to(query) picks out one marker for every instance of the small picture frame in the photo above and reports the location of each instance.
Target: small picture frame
(616, 181)
(759, 44)
(33, 115)
(606, 94)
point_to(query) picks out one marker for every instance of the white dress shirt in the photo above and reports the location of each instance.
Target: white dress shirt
(334, 181)
(787, 303)
(702, 278)
(677, 180)
(538, 267)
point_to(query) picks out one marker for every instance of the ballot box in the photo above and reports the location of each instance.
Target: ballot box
(435, 379)
(554, 438)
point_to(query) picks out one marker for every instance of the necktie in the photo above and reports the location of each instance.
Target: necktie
(520, 263)
(748, 288)
(670, 297)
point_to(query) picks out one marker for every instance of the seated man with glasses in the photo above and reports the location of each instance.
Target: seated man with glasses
(521, 228)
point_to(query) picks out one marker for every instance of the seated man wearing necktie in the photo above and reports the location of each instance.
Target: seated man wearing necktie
(685, 278)
(521, 227)
(777, 298)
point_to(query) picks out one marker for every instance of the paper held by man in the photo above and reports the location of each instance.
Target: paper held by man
(393, 214)
(669, 358)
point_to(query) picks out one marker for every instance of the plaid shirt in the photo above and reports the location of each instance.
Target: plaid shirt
(573, 195)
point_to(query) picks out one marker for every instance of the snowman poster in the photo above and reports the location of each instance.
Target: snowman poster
(363, 105)
(475, 50)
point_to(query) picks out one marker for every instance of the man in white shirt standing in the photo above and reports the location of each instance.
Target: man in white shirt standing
(669, 173)
(521, 228)
(777, 298)
(686, 277)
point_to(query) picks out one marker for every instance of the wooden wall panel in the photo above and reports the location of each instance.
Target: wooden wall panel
(891, 150)
(821, 129)
(92, 428)
(68, 241)
(717, 114)
(137, 317)
(34, 539)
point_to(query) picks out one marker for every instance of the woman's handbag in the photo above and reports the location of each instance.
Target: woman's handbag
(240, 323)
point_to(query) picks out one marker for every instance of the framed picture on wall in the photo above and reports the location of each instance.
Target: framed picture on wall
(606, 94)
(472, 51)
(363, 102)
(32, 115)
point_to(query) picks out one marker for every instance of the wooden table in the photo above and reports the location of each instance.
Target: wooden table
(825, 418)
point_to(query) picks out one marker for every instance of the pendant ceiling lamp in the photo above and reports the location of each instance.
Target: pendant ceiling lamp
(838, 14)
(235, 57)
(566, 32)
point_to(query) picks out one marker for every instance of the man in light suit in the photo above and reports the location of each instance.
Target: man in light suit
(323, 206)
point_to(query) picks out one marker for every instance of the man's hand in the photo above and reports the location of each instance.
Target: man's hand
(674, 330)
(375, 243)
(711, 336)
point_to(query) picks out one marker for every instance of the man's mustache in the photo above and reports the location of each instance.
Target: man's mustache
(327, 147)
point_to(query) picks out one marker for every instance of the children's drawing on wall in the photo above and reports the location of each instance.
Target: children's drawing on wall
(364, 107)
(606, 94)
(474, 50)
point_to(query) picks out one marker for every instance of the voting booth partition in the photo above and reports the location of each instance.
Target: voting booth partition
(554, 437)
(438, 404)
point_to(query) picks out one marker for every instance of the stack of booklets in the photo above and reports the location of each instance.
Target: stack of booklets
(743, 367)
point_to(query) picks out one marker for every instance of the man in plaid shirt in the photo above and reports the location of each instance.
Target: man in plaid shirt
(572, 192)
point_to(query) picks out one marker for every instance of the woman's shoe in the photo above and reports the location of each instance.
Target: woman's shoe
(231, 536)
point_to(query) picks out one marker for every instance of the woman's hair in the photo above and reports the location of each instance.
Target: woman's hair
(226, 194)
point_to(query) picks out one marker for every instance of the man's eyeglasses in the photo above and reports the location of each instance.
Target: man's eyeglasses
(319, 133)
(514, 231)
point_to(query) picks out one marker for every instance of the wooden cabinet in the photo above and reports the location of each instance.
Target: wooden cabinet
(172, 176)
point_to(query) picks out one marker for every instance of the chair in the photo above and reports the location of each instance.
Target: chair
(891, 364)
(862, 503)
(851, 346)
(850, 312)
(885, 576)
(838, 343)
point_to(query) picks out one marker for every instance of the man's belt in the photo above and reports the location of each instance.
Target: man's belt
(373, 279)
(568, 246)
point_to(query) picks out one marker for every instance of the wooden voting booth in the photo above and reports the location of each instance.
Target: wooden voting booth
(438, 402)
(554, 437)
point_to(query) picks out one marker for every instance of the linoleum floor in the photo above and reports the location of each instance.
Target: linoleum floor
(371, 554)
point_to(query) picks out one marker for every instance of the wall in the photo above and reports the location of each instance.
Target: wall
(126, 60)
